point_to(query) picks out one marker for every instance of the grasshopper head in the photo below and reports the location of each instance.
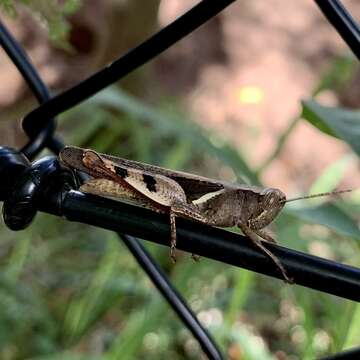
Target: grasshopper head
(270, 204)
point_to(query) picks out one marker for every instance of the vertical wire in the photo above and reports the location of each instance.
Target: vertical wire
(343, 22)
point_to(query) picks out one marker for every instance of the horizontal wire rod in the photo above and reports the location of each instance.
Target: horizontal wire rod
(343, 22)
(344, 355)
(307, 270)
(136, 57)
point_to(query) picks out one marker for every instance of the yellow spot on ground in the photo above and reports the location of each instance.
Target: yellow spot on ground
(250, 95)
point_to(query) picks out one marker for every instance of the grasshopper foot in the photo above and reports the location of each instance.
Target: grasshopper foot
(173, 256)
(195, 257)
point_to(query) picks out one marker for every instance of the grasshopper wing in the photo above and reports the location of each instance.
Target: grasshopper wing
(194, 186)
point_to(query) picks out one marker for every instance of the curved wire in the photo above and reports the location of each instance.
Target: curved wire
(20, 59)
(39, 132)
(161, 282)
(136, 57)
(343, 22)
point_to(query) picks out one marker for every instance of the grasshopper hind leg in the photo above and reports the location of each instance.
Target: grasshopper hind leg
(185, 211)
(174, 238)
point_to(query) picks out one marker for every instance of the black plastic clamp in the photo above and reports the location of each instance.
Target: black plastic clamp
(25, 186)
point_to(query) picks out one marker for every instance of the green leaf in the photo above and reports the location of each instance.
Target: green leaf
(340, 73)
(332, 175)
(353, 329)
(338, 122)
(87, 309)
(67, 355)
(330, 216)
(8, 7)
(53, 14)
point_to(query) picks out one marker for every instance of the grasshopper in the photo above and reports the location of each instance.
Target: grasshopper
(181, 194)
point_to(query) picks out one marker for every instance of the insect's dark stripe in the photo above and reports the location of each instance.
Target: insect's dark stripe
(150, 182)
(123, 173)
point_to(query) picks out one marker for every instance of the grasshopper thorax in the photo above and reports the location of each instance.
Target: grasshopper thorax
(270, 203)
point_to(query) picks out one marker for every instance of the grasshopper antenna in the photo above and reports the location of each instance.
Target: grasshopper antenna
(318, 195)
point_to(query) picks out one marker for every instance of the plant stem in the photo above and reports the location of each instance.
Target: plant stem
(280, 145)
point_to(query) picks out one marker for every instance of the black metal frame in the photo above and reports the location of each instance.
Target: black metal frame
(47, 186)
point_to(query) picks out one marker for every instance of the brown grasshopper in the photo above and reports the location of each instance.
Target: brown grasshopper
(176, 193)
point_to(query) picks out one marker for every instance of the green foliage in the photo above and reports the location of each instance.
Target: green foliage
(52, 13)
(330, 216)
(340, 123)
(70, 291)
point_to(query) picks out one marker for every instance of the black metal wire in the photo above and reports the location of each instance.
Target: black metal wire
(165, 287)
(343, 22)
(45, 138)
(40, 134)
(136, 57)
(20, 59)
(352, 354)
(221, 245)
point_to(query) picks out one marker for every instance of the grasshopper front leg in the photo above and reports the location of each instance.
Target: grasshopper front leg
(253, 236)
(251, 211)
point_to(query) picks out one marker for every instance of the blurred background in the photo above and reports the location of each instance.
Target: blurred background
(237, 100)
